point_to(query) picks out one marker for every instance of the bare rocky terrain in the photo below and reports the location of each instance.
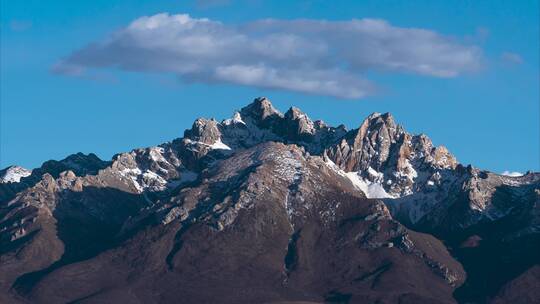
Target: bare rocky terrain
(267, 207)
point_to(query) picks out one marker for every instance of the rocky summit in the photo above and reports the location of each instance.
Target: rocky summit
(267, 207)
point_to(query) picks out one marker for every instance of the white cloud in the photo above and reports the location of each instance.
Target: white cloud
(512, 58)
(310, 56)
(508, 173)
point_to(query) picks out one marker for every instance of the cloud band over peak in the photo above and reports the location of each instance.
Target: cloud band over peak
(317, 57)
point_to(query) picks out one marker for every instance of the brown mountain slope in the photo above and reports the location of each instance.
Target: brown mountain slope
(268, 224)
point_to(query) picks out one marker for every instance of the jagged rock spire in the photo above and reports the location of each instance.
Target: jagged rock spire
(367, 146)
(297, 125)
(261, 108)
(204, 130)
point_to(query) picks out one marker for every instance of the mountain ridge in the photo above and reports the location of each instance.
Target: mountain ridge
(220, 171)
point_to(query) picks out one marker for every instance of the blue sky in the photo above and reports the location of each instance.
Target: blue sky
(486, 112)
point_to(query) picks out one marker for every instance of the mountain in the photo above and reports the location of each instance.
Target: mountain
(267, 207)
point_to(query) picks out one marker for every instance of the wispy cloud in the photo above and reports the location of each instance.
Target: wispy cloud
(310, 56)
(512, 58)
(509, 173)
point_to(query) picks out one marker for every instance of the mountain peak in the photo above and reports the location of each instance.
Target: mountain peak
(260, 109)
(204, 130)
(80, 163)
(378, 119)
(297, 125)
(295, 113)
(13, 174)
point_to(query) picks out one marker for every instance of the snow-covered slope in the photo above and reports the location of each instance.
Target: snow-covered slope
(13, 174)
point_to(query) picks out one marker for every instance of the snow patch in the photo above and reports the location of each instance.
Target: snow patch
(219, 145)
(288, 167)
(14, 174)
(374, 172)
(156, 154)
(130, 171)
(513, 174)
(153, 176)
(132, 174)
(371, 189)
(237, 119)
